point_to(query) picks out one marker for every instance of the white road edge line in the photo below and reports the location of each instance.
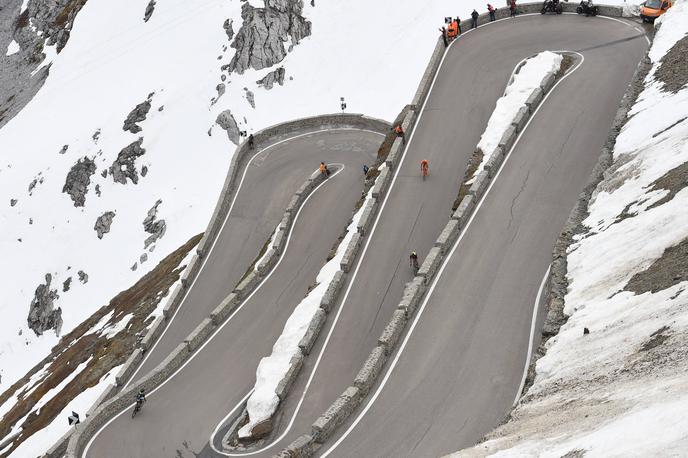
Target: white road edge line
(90, 442)
(207, 256)
(444, 265)
(536, 306)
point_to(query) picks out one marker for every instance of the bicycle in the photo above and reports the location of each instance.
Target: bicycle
(137, 408)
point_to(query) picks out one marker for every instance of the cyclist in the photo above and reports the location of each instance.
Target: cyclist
(141, 397)
(413, 261)
(324, 170)
(424, 167)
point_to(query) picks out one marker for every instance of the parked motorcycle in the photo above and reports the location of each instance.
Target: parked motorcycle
(586, 7)
(552, 6)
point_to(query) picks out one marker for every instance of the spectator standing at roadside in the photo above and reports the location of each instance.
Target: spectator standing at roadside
(512, 7)
(474, 19)
(458, 24)
(444, 36)
(491, 10)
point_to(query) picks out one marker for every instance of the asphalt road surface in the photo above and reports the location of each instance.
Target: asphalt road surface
(190, 404)
(460, 370)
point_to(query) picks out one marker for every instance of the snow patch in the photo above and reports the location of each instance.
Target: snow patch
(12, 48)
(528, 78)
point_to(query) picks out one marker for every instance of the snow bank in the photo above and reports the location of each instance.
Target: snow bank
(621, 389)
(272, 369)
(12, 48)
(528, 78)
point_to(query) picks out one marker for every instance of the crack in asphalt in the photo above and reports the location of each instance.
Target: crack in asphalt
(513, 202)
(420, 439)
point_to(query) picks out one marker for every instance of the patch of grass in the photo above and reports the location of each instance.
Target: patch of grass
(668, 270)
(673, 181)
(68, 12)
(657, 338)
(566, 64)
(22, 20)
(673, 69)
(85, 344)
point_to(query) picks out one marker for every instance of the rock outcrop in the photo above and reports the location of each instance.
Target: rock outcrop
(103, 223)
(78, 179)
(125, 165)
(47, 22)
(149, 10)
(250, 97)
(259, 43)
(269, 80)
(137, 115)
(228, 29)
(42, 314)
(229, 124)
(154, 226)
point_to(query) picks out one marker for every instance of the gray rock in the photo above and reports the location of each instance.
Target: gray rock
(96, 136)
(149, 10)
(136, 115)
(66, 284)
(228, 29)
(78, 179)
(153, 225)
(134, 267)
(42, 314)
(229, 124)
(13, 202)
(143, 258)
(33, 185)
(251, 98)
(125, 165)
(220, 88)
(83, 277)
(52, 18)
(269, 80)
(64, 149)
(104, 173)
(103, 223)
(144, 171)
(259, 43)
(97, 190)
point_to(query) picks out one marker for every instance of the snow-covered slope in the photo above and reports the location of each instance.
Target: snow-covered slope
(620, 390)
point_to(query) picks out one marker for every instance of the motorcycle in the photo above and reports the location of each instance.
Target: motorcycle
(552, 6)
(586, 7)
